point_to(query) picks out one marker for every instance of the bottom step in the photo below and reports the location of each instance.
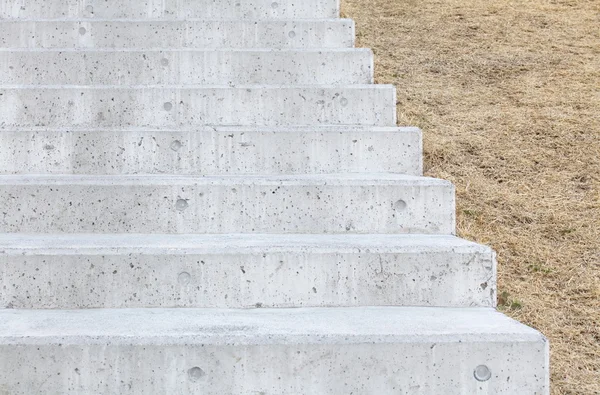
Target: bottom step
(376, 350)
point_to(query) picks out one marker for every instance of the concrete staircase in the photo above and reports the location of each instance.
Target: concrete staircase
(212, 197)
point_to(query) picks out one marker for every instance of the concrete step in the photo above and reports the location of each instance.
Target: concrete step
(328, 203)
(240, 271)
(145, 34)
(169, 9)
(187, 67)
(378, 350)
(186, 106)
(213, 151)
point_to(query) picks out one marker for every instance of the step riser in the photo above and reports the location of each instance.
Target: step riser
(292, 278)
(231, 206)
(230, 67)
(170, 9)
(392, 368)
(173, 107)
(178, 34)
(209, 152)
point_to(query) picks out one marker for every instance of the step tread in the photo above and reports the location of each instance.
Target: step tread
(335, 325)
(242, 271)
(160, 179)
(211, 151)
(226, 129)
(208, 50)
(183, 33)
(199, 86)
(157, 105)
(184, 67)
(124, 244)
(210, 9)
(176, 20)
(323, 203)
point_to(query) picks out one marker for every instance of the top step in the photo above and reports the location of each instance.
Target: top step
(169, 9)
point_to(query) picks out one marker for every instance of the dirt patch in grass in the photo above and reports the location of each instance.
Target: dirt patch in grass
(508, 96)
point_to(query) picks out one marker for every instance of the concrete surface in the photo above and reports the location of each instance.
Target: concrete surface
(213, 151)
(241, 271)
(385, 350)
(325, 203)
(147, 34)
(187, 67)
(186, 106)
(169, 9)
(167, 154)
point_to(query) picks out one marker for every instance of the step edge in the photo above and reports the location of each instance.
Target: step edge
(224, 129)
(231, 244)
(331, 179)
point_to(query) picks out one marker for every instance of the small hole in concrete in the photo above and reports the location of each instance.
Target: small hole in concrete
(344, 102)
(274, 5)
(196, 374)
(82, 31)
(176, 145)
(292, 34)
(168, 106)
(184, 278)
(482, 373)
(400, 205)
(164, 61)
(181, 204)
(89, 9)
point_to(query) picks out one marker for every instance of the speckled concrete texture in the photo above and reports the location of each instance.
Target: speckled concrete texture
(243, 271)
(147, 34)
(385, 350)
(187, 67)
(170, 9)
(212, 197)
(359, 203)
(213, 151)
(161, 106)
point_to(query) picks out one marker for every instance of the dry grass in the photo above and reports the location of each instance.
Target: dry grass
(508, 95)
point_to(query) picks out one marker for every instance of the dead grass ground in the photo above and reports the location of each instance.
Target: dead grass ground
(508, 95)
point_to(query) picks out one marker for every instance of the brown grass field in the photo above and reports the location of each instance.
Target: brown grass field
(508, 96)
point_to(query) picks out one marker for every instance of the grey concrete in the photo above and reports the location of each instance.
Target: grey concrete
(217, 154)
(386, 350)
(240, 271)
(147, 34)
(187, 67)
(169, 9)
(328, 203)
(186, 106)
(213, 151)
